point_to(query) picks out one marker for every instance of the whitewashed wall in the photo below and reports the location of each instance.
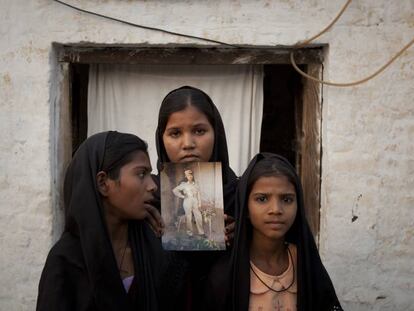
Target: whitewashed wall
(368, 131)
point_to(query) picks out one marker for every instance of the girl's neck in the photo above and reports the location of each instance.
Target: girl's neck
(118, 235)
(117, 229)
(269, 255)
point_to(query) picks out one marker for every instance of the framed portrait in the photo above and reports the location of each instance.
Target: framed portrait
(192, 206)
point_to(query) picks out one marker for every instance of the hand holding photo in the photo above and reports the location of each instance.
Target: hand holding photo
(192, 206)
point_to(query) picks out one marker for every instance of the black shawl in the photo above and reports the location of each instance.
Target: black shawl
(81, 272)
(229, 281)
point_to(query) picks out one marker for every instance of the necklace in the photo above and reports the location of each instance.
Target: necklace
(122, 258)
(272, 289)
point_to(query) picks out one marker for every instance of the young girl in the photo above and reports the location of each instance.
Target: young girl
(107, 257)
(274, 264)
(190, 129)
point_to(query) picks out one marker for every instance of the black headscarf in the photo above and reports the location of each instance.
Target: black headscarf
(220, 152)
(81, 272)
(229, 281)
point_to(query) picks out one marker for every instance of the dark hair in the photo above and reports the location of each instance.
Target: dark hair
(192, 173)
(181, 98)
(270, 167)
(120, 148)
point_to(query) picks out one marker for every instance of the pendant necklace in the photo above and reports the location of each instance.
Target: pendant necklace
(272, 289)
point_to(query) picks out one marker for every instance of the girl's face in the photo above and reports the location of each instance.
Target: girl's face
(188, 136)
(129, 195)
(272, 206)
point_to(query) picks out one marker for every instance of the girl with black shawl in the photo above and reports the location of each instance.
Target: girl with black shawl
(107, 257)
(274, 261)
(170, 148)
(190, 129)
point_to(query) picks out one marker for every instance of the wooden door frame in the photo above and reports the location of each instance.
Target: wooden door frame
(308, 104)
(309, 148)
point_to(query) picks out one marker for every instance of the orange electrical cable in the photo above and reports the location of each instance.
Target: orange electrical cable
(345, 84)
(307, 41)
(341, 84)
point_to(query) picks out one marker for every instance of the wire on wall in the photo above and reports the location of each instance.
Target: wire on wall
(147, 27)
(354, 83)
(301, 44)
(298, 45)
(341, 84)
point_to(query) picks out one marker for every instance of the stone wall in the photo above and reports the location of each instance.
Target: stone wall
(367, 131)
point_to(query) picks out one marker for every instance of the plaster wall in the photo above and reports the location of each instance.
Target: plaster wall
(367, 131)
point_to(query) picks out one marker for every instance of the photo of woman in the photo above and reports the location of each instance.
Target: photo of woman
(192, 206)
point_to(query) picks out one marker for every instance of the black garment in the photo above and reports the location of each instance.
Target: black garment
(201, 262)
(81, 271)
(229, 281)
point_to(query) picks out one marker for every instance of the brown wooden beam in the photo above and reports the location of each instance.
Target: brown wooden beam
(310, 148)
(186, 55)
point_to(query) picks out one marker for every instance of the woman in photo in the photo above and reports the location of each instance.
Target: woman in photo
(274, 263)
(190, 193)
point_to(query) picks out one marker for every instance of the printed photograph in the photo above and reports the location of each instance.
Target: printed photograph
(192, 206)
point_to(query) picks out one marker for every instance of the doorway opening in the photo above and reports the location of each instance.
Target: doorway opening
(291, 123)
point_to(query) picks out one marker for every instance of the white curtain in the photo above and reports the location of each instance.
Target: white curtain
(127, 98)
